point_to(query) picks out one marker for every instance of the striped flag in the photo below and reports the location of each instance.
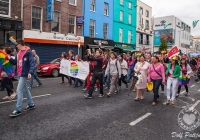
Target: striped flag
(195, 23)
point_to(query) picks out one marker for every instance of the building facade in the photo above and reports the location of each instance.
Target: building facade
(144, 26)
(50, 27)
(98, 23)
(177, 33)
(124, 28)
(10, 21)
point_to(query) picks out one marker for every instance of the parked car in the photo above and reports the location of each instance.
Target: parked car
(52, 68)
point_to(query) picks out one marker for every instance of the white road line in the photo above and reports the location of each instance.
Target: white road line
(183, 92)
(140, 119)
(26, 98)
(199, 90)
(182, 101)
(192, 107)
(192, 86)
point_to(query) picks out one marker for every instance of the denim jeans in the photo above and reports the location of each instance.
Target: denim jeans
(129, 75)
(104, 78)
(108, 80)
(34, 76)
(156, 85)
(22, 88)
(96, 76)
(78, 81)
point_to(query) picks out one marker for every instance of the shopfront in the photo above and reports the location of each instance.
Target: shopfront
(96, 43)
(124, 47)
(9, 28)
(50, 45)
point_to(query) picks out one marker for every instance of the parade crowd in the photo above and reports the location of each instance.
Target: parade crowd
(108, 70)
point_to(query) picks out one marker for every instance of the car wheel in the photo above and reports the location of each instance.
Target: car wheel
(55, 73)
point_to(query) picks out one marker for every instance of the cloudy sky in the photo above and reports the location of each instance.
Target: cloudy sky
(185, 10)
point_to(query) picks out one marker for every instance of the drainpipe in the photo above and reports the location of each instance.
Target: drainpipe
(22, 16)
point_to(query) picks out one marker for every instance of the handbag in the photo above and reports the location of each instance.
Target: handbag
(140, 78)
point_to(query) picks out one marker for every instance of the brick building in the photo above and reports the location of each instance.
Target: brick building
(10, 21)
(50, 27)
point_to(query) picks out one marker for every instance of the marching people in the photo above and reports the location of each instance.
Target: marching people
(172, 73)
(25, 68)
(97, 73)
(64, 57)
(71, 58)
(124, 71)
(114, 69)
(141, 68)
(165, 68)
(77, 58)
(34, 76)
(156, 74)
(184, 78)
(130, 62)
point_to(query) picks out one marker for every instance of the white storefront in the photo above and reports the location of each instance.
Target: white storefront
(177, 33)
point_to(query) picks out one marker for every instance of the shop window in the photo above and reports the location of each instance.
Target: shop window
(5, 7)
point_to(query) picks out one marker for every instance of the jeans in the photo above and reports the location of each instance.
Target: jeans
(129, 75)
(122, 79)
(34, 76)
(156, 85)
(179, 89)
(104, 78)
(173, 82)
(108, 80)
(162, 87)
(95, 76)
(6, 84)
(62, 76)
(78, 81)
(22, 88)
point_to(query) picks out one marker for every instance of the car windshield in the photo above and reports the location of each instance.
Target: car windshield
(55, 61)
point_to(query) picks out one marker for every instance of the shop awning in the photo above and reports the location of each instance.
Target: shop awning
(125, 49)
(102, 47)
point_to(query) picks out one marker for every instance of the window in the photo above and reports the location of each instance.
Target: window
(147, 25)
(141, 10)
(55, 24)
(147, 13)
(147, 37)
(36, 17)
(92, 27)
(141, 39)
(120, 34)
(129, 19)
(122, 2)
(106, 9)
(92, 5)
(71, 24)
(130, 5)
(105, 31)
(72, 2)
(129, 37)
(121, 15)
(5, 7)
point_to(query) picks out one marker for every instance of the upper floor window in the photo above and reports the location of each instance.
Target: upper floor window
(72, 2)
(121, 15)
(71, 24)
(55, 23)
(141, 10)
(129, 19)
(122, 2)
(147, 13)
(5, 6)
(36, 17)
(92, 5)
(147, 25)
(106, 9)
(105, 31)
(92, 28)
(130, 5)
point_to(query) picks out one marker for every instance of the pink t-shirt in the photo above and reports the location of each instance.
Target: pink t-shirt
(153, 75)
(19, 61)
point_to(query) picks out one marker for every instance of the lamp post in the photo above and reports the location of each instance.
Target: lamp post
(79, 45)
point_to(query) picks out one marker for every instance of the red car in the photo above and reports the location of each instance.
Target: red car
(52, 68)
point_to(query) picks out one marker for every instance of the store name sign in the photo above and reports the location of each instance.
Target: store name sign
(162, 23)
(65, 38)
(79, 20)
(101, 41)
(178, 25)
(50, 10)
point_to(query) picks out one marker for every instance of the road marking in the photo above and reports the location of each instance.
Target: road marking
(192, 99)
(26, 98)
(183, 92)
(192, 86)
(140, 119)
(199, 90)
(192, 107)
(182, 101)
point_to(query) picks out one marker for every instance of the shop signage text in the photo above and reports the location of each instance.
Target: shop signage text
(101, 41)
(79, 20)
(50, 9)
(162, 23)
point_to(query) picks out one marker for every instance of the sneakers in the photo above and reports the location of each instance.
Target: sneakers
(29, 107)
(39, 85)
(88, 97)
(108, 94)
(101, 95)
(177, 95)
(106, 87)
(162, 92)
(186, 93)
(96, 89)
(15, 113)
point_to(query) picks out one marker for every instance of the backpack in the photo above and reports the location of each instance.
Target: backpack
(115, 64)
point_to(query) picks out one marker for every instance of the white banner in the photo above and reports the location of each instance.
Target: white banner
(74, 69)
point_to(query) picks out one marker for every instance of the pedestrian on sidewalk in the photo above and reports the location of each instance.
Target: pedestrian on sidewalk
(156, 74)
(25, 68)
(173, 73)
(34, 76)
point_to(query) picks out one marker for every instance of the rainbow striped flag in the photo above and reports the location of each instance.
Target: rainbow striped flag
(13, 40)
(5, 65)
(138, 53)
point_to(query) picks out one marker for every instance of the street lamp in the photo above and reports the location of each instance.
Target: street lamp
(79, 45)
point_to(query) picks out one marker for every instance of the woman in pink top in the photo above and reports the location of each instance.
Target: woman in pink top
(157, 76)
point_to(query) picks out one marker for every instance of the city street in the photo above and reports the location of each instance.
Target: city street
(62, 113)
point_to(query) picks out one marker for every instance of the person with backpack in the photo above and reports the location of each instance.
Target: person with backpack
(114, 69)
(156, 74)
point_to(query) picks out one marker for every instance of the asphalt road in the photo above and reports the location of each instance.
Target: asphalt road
(62, 113)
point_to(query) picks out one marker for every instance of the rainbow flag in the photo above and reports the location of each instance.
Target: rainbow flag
(5, 65)
(138, 53)
(13, 40)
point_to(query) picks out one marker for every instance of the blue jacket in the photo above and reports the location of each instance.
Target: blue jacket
(28, 63)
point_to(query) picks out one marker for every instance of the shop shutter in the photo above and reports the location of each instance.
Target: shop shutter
(48, 52)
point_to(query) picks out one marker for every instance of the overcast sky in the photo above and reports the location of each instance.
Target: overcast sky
(185, 10)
